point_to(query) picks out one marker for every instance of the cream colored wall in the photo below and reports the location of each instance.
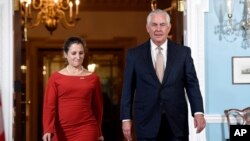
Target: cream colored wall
(101, 25)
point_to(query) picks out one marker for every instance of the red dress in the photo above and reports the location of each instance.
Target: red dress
(73, 107)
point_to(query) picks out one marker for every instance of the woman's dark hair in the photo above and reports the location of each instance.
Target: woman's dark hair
(74, 40)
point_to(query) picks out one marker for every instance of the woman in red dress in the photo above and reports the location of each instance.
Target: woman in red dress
(73, 105)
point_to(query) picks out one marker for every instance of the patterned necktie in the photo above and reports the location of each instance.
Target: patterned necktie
(159, 64)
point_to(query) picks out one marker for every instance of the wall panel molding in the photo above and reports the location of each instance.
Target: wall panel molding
(215, 118)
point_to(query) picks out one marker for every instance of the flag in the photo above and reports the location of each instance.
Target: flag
(2, 138)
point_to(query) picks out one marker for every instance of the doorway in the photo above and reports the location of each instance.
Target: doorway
(109, 67)
(44, 57)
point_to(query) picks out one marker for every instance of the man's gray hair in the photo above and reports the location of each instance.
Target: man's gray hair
(157, 11)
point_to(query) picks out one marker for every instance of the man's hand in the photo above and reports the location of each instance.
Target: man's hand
(126, 129)
(199, 122)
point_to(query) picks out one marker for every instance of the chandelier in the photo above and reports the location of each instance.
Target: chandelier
(49, 13)
(230, 29)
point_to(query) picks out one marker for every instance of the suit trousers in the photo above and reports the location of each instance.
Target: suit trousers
(165, 133)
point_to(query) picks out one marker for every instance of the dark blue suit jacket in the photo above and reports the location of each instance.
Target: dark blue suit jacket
(144, 97)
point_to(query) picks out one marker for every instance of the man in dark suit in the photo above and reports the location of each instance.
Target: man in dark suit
(155, 101)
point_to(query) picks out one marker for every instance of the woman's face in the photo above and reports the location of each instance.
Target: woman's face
(75, 55)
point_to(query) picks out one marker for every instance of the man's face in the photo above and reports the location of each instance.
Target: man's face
(158, 28)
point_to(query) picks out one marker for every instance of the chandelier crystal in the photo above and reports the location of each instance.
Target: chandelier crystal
(49, 13)
(230, 29)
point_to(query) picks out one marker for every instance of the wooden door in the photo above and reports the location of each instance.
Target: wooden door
(109, 67)
(20, 102)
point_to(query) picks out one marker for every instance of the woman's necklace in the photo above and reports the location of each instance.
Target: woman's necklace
(68, 70)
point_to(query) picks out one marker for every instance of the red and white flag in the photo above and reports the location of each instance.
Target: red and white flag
(2, 138)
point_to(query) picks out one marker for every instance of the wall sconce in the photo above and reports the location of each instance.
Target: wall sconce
(181, 5)
(91, 67)
(44, 70)
(23, 68)
(49, 13)
(230, 29)
(153, 5)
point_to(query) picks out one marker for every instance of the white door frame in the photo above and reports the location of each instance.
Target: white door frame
(194, 37)
(6, 67)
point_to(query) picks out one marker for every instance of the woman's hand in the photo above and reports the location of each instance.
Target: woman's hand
(101, 138)
(47, 137)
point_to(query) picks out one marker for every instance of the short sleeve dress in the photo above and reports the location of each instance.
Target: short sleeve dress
(73, 107)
